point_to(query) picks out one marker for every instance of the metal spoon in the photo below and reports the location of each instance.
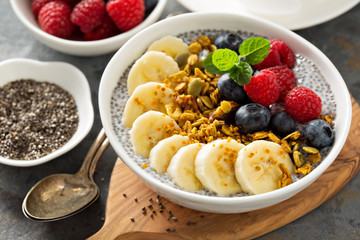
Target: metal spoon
(62, 195)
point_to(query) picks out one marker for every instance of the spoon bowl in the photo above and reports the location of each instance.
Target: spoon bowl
(62, 195)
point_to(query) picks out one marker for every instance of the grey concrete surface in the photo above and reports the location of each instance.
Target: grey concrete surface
(338, 218)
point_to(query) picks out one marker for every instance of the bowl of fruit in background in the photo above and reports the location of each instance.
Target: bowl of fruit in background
(224, 116)
(86, 27)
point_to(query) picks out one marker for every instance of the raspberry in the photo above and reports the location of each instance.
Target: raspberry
(263, 88)
(88, 14)
(36, 5)
(285, 78)
(272, 59)
(279, 54)
(302, 104)
(126, 14)
(287, 56)
(54, 18)
(105, 30)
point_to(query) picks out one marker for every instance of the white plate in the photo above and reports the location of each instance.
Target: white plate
(313, 12)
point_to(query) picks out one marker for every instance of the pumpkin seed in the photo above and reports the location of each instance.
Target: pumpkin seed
(181, 59)
(296, 147)
(299, 159)
(194, 87)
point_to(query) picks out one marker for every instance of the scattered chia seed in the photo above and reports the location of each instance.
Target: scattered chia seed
(174, 219)
(150, 206)
(161, 211)
(150, 199)
(153, 211)
(191, 223)
(168, 219)
(202, 216)
(36, 118)
(173, 230)
(132, 219)
(124, 194)
(135, 199)
(152, 216)
(168, 229)
(162, 207)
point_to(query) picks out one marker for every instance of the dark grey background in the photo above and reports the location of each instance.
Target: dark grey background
(338, 218)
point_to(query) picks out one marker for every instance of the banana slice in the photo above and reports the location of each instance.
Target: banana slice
(182, 167)
(170, 45)
(148, 129)
(257, 166)
(214, 166)
(148, 96)
(151, 67)
(164, 150)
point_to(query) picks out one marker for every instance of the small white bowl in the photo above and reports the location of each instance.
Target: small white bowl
(201, 23)
(23, 11)
(67, 77)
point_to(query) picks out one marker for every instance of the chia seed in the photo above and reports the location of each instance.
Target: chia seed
(36, 118)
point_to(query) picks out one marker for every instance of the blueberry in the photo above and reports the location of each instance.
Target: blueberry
(319, 134)
(228, 40)
(252, 117)
(230, 89)
(282, 124)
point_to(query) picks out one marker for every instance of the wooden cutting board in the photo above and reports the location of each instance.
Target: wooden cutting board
(120, 209)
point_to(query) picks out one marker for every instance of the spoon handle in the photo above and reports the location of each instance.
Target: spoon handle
(85, 167)
(97, 157)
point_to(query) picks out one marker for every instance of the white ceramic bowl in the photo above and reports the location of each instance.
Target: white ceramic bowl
(67, 77)
(23, 11)
(195, 23)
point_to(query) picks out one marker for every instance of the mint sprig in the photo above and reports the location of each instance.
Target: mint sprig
(252, 51)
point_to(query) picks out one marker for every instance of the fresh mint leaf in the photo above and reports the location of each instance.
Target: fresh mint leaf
(210, 67)
(241, 73)
(224, 59)
(254, 50)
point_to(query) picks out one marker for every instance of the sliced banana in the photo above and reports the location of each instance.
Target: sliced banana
(214, 166)
(148, 96)
(151, 67)
(182, 167)
(257, 166)
(148, 129)
(170, 45)
(164, 150)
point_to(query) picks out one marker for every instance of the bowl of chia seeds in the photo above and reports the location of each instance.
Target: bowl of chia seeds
(45, 110)
(312, 69)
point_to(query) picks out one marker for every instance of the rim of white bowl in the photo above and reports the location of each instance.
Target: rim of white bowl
(289, 190)
(151, 18)
(80, 134)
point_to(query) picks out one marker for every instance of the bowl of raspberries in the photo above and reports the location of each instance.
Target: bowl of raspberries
(86, 27)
